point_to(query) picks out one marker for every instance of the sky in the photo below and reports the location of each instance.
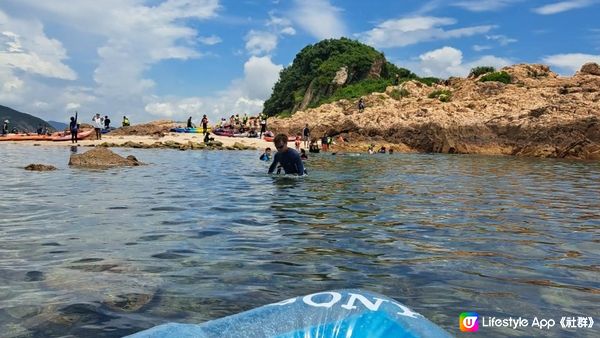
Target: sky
(170, 59)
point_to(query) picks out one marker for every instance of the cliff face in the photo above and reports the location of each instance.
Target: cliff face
(537, 114)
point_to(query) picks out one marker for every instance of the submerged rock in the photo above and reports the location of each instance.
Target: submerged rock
(40, 167)
(102, 158)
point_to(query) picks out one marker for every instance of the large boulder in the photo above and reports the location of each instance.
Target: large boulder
(102, 158)
(591, 68)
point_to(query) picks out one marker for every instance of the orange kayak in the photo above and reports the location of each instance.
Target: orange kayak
(53, 137)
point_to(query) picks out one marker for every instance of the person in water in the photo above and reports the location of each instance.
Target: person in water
(74, 128)
(266, 156)
(288, 158)
(303, 155)
(382, 150)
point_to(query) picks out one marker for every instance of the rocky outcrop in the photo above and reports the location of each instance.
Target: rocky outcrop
(538, 114)
(341, 76)
(40, 167)
(100, 158)
(155, 128)
(591, 68)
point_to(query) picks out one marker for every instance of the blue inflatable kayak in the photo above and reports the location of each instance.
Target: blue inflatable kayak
(331, 314)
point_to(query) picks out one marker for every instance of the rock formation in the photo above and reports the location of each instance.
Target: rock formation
(537, 114)
(40, 167)
(100, 158)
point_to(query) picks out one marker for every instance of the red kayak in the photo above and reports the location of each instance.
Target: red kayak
(80, 136)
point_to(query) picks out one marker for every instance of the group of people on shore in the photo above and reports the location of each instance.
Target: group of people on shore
(99, 123)
(244, 124)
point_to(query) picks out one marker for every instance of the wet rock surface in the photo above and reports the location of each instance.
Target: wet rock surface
(102, 158)
(40, 167)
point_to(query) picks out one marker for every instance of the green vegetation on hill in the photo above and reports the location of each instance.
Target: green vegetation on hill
(309, 81)
(478, 71)
(503, 77)
(22, 121)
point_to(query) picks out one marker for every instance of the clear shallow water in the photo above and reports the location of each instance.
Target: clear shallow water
(200, 235)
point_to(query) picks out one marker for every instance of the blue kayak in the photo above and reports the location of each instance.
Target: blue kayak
(331, 314)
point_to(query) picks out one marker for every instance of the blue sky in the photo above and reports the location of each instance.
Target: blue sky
(168, 59)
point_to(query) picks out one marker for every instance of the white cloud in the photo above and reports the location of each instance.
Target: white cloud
(503, 40)
(259, 42)
(210, 40)
(245, 95)
(484, 5)
(408, 31)
(563, 6)
(570, 63)
(448, 61)
(319, 18)
(280, 25)
(480, 48)
(24, 46)
(131, 37)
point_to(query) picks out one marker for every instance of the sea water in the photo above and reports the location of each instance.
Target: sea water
(198, 235)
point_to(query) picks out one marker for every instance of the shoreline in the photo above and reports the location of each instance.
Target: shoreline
(186, 141)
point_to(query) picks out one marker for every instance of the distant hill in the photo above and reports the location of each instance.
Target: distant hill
(22, 121)
(58, 125)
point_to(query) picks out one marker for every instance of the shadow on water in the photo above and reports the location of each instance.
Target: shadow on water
(200, 235)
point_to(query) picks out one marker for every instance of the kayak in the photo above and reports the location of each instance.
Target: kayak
(222, 132)
(26, 137)
(53, 137)
(80, 136)
(332, 314)
(189, 130)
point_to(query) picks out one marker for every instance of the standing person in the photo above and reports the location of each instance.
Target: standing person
(74, 128)
(5, 127)
(297, 142)
(324, 142)
(204, 124)
(98, 121)
(263, 126)
(245, 119)
(361, 105)
(289, 159)
(306, 135)
(189, 123)
(125, 121)
(106, 122)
